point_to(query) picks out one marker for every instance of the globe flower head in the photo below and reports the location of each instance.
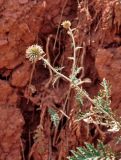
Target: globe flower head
(66, 24)
(34, 53)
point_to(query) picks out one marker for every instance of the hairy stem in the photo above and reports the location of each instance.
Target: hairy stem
(33, 67)
(54, 70)
(74, 50)
(78, 89)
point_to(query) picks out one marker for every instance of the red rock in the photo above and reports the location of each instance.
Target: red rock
(8, 96)
(108, 65)
(21, 75)
(11, 124)
(1, 2)
(3, 42)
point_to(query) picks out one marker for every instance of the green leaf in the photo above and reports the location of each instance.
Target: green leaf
(89, 152)
(54, 116)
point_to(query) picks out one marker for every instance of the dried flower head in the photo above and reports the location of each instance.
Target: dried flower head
(34, 53)
(66, 24)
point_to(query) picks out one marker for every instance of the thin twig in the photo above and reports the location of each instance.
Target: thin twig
(74, 50)
(31, 76)
(82, 59)
(22, 150)
(59, 24)
(48, 58)
(30, 81)
(54, 70)
(64, 114)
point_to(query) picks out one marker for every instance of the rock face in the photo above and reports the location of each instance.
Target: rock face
(20, 22)
(19, 28)
(20, 76)
(108, 64)
(27, 22)
(11, 123)
(8, 96)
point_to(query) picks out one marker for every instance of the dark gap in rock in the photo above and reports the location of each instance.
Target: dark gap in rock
(58, 105)
(96, 81)
(32, 118)
(54, 149)
(40, 75)
(92, 131)
(6, 78)
(113, 45)
(7, 33)
(34, 94)
(5, 74)
(96, 21)
(62, 123)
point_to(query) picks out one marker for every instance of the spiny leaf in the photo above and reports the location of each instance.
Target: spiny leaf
(89, 152)
(54, 116)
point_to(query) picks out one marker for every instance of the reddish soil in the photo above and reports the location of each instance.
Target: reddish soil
(27, 22)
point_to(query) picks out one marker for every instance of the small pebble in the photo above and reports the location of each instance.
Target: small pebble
(3, 42)
(23, 1)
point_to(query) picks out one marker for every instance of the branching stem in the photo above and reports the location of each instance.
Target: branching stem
(78, 89)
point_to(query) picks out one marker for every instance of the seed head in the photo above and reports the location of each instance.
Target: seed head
(34, 53)
(66, 24)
